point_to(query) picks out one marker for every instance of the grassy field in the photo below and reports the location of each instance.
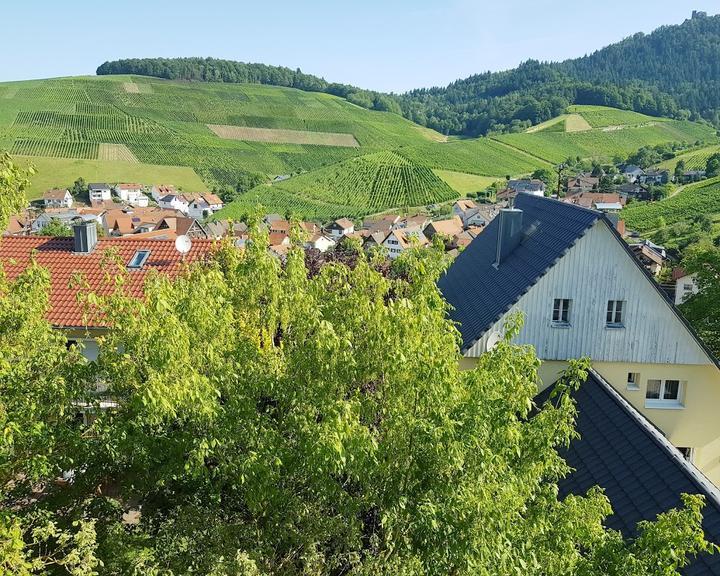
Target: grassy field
(281, 136)
(62, 172)
(464, 183)
(602, 116)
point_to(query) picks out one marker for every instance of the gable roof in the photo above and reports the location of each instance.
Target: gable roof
(56, 254)
(342, 223)
(55, 194)
(480, 293)
(641, 472)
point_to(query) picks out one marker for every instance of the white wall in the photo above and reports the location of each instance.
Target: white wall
(595, 270)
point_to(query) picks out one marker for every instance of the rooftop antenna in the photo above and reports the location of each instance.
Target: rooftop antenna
(183, 245)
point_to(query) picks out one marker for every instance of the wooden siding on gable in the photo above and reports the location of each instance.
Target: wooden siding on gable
(597, 269)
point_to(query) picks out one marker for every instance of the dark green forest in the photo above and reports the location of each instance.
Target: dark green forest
(674, 72)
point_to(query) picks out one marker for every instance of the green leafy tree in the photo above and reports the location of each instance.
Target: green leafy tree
(56, 228)
(14, 182)
(703, 308)
(79, 188)
(712, 166)
(679, 169)
(269, 421)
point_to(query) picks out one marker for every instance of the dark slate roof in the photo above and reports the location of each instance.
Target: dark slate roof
(641, 472)
(480, 293)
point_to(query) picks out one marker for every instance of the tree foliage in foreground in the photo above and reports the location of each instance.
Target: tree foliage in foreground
(272, 421)
(703, 309)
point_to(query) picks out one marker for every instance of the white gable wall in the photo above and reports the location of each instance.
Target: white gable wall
(597, 269)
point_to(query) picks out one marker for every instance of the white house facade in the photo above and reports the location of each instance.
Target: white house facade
(587, 296)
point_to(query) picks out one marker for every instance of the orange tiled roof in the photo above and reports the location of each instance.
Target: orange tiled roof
(56, 254)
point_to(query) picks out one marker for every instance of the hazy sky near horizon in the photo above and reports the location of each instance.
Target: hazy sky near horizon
(389, 45)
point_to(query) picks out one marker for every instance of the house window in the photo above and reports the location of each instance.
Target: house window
(663, 394)
(687, 452)
(633, 381)
(139, 259)
(614, 315)
(561, 311)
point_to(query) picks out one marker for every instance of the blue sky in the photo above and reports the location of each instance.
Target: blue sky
(391, 45)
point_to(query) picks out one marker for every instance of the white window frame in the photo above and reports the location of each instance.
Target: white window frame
(563, 307)
(661, 401)
(615, 314)
(633, 381)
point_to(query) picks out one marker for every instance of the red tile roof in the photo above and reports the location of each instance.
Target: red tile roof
(56, 254)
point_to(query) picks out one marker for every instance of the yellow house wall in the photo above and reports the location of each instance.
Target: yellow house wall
(696, 425)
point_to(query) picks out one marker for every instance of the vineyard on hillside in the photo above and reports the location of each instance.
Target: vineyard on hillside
(556, 147)
(353, 188)
(343, 159)
(700, 198)
(694, 160)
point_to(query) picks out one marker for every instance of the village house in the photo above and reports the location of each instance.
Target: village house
(638, 469)
(632, 173)
(685, 285)
(417, 222)
(652, 256)
(527, 186)
(399, 241)
(603, 201)
(381, 224)
(341, 227)
(19, 224)
(57, 198)
(473, 214)
(133, 194)
(582, 293)
(85, 255)
(447, 228)
(692, 176)
(99, 192)
(175, 226)
(655, 177)
(161, 190)
(201, 206)
(66, 217)
(582, 183)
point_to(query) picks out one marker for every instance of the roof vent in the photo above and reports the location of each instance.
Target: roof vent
(85, 236)
(509, 232)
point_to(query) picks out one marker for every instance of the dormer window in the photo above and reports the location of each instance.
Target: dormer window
(138, 260)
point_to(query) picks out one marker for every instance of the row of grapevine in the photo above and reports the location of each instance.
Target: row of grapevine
(700, 198)
(55, 149)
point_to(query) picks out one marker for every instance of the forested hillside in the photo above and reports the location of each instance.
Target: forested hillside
(673, 72)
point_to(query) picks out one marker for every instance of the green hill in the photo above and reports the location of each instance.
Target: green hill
(345, 160)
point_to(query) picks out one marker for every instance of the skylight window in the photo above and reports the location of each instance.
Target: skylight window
(139, 259)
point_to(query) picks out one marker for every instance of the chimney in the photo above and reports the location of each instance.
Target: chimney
(509, 232)
(85, 234)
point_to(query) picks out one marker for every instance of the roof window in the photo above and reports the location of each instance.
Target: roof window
(139, 259)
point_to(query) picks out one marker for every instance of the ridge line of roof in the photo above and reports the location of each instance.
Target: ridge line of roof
(695, 476)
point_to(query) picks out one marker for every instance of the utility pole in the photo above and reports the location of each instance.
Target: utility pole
(560, 168)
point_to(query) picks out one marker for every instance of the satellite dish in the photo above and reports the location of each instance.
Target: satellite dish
(183, 244)
(492, 341)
